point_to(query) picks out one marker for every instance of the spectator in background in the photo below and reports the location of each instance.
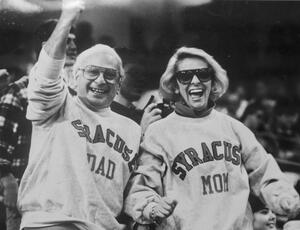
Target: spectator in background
(15, 133)
(259, 94)
(284, 126)
(131, 89)
(15, 129)
(5, 78)
(42, 33)
(256, 119)
(107, 40)
(263, 217)
(84, 35)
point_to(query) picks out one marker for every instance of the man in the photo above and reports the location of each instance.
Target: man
(131, 90)
(15, 129)
(81, 152)
(5, 78)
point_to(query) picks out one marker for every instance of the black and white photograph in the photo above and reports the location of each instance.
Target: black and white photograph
(149, 115)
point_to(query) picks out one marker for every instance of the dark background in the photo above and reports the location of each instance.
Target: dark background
(250, 39)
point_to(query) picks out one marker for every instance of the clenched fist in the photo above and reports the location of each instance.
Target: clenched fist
(71, 9)
(155, 211)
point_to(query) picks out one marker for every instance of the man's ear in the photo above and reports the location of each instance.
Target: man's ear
(120, 82)
(76, 74)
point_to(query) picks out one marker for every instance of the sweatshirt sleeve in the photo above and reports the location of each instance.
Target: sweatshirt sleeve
(265, 177)
(145, 185)
(46, 89)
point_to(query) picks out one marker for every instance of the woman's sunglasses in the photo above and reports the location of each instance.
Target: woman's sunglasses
(186, 76)
(92, 72)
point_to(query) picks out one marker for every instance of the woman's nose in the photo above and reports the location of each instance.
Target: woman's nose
(195, 79)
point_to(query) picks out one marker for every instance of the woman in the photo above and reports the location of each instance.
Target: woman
(200, 159)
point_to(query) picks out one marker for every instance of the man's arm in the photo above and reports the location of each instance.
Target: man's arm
(56, 44)
(47, 91)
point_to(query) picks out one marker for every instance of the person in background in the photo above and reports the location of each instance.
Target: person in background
(131, 90)
(197, 166)
(15, 132)
(263, 217)
(5, 78)
(15, 129)
(81, 153)
(284, 127)
(42, 34)
(84, 35)
(256, 119)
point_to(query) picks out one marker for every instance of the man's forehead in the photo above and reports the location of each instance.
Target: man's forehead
(101, 59)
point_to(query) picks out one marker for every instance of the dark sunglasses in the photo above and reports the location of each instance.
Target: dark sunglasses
(186, 76)
(92, 72)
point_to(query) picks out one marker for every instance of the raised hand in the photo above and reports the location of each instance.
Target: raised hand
(71, 9)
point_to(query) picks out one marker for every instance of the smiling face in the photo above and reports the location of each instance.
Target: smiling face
(99, 93)
(264, 219)
(196, 93)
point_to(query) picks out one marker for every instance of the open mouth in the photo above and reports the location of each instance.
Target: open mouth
(99, 91)
(196, 92)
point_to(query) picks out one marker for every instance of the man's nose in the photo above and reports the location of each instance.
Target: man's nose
(100, 79)
(71, 44)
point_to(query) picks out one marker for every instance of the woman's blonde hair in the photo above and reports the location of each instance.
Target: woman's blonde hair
(168, 83)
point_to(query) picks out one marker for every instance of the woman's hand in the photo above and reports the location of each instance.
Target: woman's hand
(156, 211)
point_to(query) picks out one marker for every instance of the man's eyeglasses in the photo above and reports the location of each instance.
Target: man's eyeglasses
(186, 76)
(92, 72)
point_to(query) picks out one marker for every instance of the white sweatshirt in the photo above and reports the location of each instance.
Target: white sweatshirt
(208, 165)
(80, 161)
